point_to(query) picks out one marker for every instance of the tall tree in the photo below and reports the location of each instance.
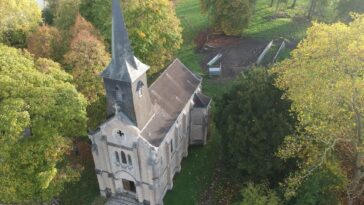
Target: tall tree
(44, 42)
(16, 19)
(293, 5)
(254, 120)
(229, 16)
(65, 12)
(324, 79)
(39, 110)
(153, 27)
(85, 59)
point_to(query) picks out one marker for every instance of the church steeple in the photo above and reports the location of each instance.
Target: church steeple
(121, 48)
(125, 78)
(124, 66)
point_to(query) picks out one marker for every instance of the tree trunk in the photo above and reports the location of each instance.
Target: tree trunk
(293, 4)
(271, 3)
(311, 9)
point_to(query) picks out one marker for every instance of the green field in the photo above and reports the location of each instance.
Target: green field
(292, 26)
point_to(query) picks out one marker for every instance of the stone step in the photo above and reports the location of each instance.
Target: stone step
(122, 200)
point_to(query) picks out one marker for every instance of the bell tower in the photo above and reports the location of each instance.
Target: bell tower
(125, 77)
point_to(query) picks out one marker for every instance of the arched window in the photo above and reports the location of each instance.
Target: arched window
(123, 157)
(129, 160)
(117, 158)
(139, 88)
(118, 94)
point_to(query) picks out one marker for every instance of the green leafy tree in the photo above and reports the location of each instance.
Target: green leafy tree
(39, 110)
(153, 28)
(324, 80)
(229, 16)
(254, 120)
(65, 12)
(17, 18)
(258, 194)
(86, 58)
(345, 7)
(44, 42)
(323, 187)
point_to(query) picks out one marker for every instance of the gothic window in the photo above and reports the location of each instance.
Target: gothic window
(130, 161)
(139, 88)
(176, 136)
(123, 157)
(117, 158)
(184, 123)
(118, 94)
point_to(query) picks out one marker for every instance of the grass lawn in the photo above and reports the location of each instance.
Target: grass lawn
(261, 26)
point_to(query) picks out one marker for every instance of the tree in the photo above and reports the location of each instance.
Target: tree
(324, 80)
(153, 28)
(258, 194)
(254, 121)
(319, 9)
(16, 19)
(86, 58)
(65, 12)
(345, 7)
(39, 110)
(293, 4)
(229, 16)
(323, 187)
(44, 42)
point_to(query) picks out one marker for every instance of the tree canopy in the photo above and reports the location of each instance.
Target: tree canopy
(258, 194)
(254, 120)
(345, 7)
(229, 16)
(44, 41)
(19, 15)
(324, 80)
(86, 59)
(153, 28)
(39, 110)
(16, 19)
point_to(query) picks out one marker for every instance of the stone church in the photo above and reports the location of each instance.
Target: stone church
(139, 149)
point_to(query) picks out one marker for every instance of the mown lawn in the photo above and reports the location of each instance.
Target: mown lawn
(262, 26)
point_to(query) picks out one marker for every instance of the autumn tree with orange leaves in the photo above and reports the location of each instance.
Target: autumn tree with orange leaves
(86, 58)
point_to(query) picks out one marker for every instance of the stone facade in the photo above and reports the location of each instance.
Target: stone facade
(139, 149)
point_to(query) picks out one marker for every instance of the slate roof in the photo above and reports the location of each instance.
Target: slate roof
(169, 94)
(124, 65)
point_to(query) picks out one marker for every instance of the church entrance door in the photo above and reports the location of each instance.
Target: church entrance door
(129, 186)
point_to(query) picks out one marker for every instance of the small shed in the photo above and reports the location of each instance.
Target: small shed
(214, 65)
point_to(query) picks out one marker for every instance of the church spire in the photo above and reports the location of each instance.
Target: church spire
(121, 48)
(124, 66)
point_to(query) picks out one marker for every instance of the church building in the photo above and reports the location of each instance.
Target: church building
(139, 149)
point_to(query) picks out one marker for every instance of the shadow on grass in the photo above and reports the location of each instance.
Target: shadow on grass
(197, 172)
(86, 190)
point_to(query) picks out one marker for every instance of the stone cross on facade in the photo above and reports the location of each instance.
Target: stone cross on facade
(116, 107)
